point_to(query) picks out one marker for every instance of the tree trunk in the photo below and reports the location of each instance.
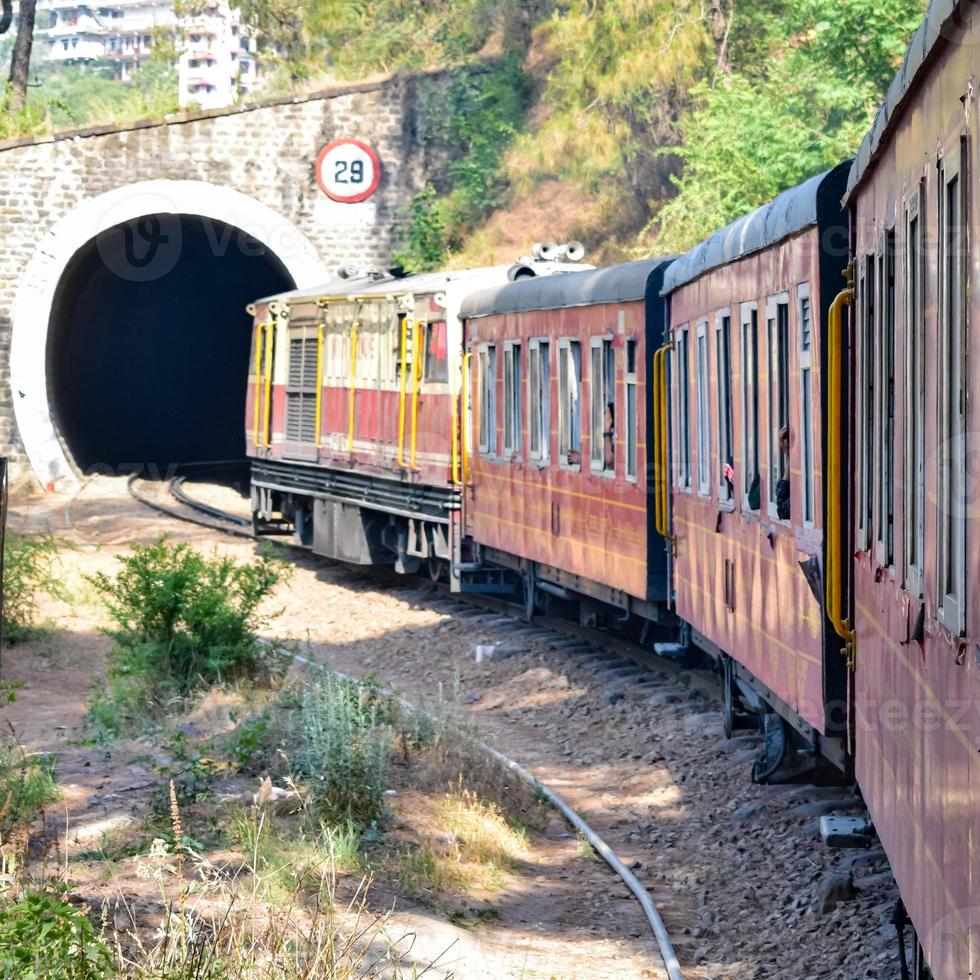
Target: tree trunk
(20, 63)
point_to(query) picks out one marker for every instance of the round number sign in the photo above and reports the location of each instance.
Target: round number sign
(348, 171)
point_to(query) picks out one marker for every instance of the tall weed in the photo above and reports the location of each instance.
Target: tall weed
(30, 570)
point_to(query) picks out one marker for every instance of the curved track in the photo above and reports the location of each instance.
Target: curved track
(642, 895)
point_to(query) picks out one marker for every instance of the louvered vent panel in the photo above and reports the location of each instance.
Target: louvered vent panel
(295, 362)
(300, 417)
(309, 363)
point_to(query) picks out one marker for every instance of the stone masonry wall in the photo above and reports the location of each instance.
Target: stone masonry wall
(266, 151)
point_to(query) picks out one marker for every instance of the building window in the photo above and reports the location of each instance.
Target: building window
(915, 386)
(884, 385)
(435, 363)
(631, 416)
(539, 399)
(750, 406)
(703, 416)
(488, 399)
(570, 402)
(723, 365)
(804, 314)
(603, 381)
(777, 318)
(680, 366)
(951, 502)
(512, 397)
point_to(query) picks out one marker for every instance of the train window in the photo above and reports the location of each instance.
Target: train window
(679, 370)
(952, 394)
(723, 365)
(750, 406)
(512, 397)
(436, 354)
(631, 417)
(488, 398)
(570, 402)
(539, 399)
(777, 318)
(866, 308)
(915, 385)
(884, 386)
(602, 378)
(804, 316)
(703, 417)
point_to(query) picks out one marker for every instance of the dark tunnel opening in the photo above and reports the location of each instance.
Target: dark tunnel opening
(148, 343)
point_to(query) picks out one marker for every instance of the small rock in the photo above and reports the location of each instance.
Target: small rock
(831, 890)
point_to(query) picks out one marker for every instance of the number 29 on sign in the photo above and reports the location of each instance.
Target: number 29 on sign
(348, 171)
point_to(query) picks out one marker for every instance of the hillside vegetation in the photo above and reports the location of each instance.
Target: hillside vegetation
(637, 126)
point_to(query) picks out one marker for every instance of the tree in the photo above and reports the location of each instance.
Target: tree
(20, 63)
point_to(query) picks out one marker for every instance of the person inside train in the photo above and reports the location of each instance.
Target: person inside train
(782, 484)
(609, 438)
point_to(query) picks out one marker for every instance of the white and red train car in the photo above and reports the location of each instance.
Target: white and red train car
(352, 420)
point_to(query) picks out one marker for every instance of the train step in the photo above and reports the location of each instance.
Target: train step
(839, 831)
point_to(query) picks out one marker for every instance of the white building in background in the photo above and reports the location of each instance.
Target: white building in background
(216, 65)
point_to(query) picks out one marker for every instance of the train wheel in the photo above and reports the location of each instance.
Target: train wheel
(434, 566)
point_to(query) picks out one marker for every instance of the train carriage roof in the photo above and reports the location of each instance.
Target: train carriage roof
(792, 211)
(613, 284)
(940, 17)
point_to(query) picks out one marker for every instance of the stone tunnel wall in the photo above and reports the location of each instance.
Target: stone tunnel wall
(266, 151)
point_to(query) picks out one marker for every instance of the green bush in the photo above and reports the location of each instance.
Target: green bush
(27, 786)
(42, 937)
(346, 742)
(30, 570)
(184, 621)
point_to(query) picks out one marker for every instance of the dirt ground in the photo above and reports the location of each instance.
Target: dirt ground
(745, 886)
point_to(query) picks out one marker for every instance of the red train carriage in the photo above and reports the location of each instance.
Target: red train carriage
(916, 541)
(557, 482)
(351, 418)
(748, 317)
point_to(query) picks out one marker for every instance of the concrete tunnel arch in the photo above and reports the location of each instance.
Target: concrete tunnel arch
(106, 243)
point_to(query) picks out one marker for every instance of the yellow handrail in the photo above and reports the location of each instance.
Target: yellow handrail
(455, 433)
(270, 335)
(402, 391)
(661, 501)
(318, 413)
(464, 414)
(834, 594)
(352, 387)
(257, 386)
(416, 384)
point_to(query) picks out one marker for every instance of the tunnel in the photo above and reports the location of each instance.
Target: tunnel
(148, 343)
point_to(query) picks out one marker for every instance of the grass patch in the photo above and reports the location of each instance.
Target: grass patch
(30, 570)
(481, 832)
(27, 787)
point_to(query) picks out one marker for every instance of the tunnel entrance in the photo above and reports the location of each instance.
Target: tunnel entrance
(148, 343)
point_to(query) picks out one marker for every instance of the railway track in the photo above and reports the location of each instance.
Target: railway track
(613, 659)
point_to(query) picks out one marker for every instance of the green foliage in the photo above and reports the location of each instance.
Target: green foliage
(43, 936)
(346, 747)
(472, 116)
(30, 570)
(184, 621)
(27, 786)
(800, 108)
(423, 234)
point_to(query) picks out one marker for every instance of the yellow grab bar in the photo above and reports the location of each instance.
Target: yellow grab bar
(257, 386)
(834, 585)
(464, 401)
(455, 433)
(270, 335)
(416, 384)
(318, 413)
(403, 364)
(661, 509)
(352, 387)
